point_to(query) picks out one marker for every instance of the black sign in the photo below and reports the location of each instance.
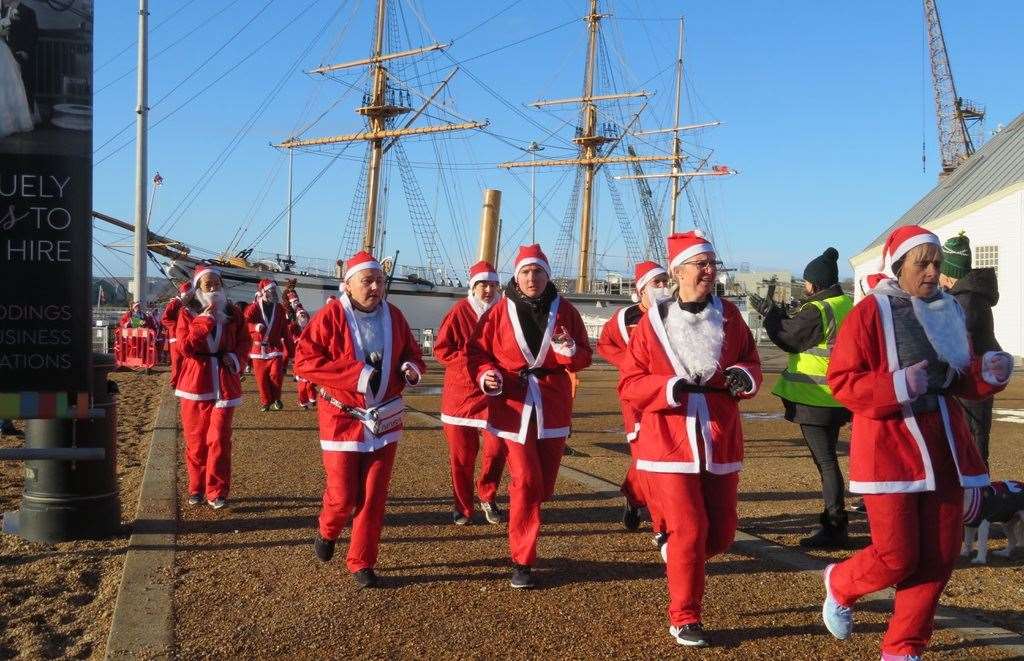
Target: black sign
(45, 195)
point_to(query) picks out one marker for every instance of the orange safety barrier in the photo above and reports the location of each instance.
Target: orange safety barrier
(135, 348)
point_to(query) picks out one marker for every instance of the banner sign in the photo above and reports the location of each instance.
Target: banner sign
(45, 207)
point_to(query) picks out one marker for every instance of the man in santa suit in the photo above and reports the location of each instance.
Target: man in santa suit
(136, 317)
(271, 344)
(520, 356)
(304, 389)
(693, 357)
(613, 345)
(360, 353)
(169, 320)
(464, 407)
(212, 341)
(901, 360)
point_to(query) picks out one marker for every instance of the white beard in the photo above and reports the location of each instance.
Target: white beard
(696, 339)
(479, 306)
(943, 324)
(204, 300)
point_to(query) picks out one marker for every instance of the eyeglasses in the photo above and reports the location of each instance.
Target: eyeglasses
(705, 265)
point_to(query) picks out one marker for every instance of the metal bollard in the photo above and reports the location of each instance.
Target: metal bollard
(68, 500)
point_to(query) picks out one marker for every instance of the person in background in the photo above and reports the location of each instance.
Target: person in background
(169, 321)
(977, 292)
(901, 360)
(272, 344)
(613, 345)
(808, 337)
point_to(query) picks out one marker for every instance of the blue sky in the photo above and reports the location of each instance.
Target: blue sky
(824, 103)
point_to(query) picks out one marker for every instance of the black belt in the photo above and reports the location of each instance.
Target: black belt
(207, 354)
(537, 371)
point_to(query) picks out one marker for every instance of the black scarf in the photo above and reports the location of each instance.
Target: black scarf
(532, 312)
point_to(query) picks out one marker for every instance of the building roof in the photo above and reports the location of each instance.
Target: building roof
(997, 165)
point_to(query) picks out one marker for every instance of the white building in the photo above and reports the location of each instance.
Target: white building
(984, 198)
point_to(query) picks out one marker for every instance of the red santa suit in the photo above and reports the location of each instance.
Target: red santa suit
(271, 342)
(533, 410)
(209, 388)
(690, 444)
(463, 406)
(169, 321)
(334, 352)
(910, 456)
(613, 346)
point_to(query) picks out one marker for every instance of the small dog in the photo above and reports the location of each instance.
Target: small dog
(1002, 502)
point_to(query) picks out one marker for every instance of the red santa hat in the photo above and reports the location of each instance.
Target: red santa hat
(645, 272)
(683, 246)
(532, 254)
(264, 285)
(201, 270)
(870, 281)
(360, 261)
(903, 240)
(184, 287)
(482, 271)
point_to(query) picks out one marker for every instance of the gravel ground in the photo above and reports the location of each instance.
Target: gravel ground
(247, 584)
(56, 601)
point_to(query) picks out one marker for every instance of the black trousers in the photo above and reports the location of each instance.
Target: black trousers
(979, 417)
(822, 441)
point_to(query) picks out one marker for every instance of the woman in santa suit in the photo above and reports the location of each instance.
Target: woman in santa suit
(304, 389)
(169, 320)
(212, 340)
(613, 345)
(900, 362)
(693, 357)
(520, 356)
(359, 351)
(271, 344)
(464, 407)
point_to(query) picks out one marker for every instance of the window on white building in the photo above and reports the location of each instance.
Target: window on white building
(986, 257)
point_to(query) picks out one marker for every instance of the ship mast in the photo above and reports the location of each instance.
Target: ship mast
(378, 109)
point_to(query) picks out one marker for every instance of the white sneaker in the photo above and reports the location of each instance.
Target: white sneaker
(838, 619)
(491, 512)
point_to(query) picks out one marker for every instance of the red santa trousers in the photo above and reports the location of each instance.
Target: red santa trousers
(207, 431)
(533, 469)
(175, 364)
(634, 489)
(306, 394)
(463, 446)
(915, 541)
(699, 513)
(269, 378)
(357, 491)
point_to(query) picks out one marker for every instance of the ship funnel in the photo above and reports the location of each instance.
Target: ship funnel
(490, 226)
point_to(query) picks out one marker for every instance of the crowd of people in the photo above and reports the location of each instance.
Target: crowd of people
(905, 364)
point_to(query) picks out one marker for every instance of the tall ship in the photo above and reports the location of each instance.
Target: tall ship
(606, 128)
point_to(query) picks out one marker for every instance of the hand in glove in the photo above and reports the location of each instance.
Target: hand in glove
(738, 381)
(760, 304)
(917, 379)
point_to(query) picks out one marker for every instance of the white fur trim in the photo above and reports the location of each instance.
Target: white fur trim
(915, 486)
(908, 245)
(362, 266)
(650, 275)
(696, 339)
(371, 445)
(670, 387)
(172, 340)
(620, 318)
(667, 466)
(463, 422)
(364, 379)
(195, 397)
(386, 364)
(986, 367)
(753, 381)
(488, 276)
(210, 269)
(899, 383)
(533, 260)
(419, 375)
(690, 252)
(228, 403)
(266, 355)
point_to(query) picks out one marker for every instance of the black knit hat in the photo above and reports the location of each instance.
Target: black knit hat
(823, 270)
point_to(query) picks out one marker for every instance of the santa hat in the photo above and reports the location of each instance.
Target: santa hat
(870, 281)
(360, 261)
(532, 254)
(903, 240)
(645, 272)
(264, 285)
(682, 247)
(482, 271)
(201, 270)
(184, 287)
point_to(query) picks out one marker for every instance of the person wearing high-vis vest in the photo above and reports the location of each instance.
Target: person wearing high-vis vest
(808, 337)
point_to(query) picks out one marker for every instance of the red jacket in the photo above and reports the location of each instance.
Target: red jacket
(888, 453)
(204, 377)
(668, 428)
(462, 403)
(498, 344)
(613, 346)
(329, 354)
(169, 320)
(273, 341)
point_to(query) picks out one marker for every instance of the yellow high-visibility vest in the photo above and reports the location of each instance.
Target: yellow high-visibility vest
(803, 381)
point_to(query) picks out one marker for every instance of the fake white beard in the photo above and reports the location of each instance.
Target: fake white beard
(479, 306)
(943, 324)
(217, 298)
(696, 339)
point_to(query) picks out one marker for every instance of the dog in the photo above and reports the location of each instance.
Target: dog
(1001, 502)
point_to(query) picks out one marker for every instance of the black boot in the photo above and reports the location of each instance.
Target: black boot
(833, 533)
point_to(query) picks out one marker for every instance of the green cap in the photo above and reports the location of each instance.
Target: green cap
(956, 256)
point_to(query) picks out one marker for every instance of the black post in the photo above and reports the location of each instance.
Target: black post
(67, 500)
